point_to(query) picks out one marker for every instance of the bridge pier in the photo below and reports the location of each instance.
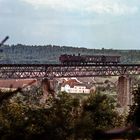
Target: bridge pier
(48, 88)
(124, 91)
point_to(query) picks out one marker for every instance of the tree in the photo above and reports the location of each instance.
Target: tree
(134, 113)
(64, 117)
(98, 114)
(23, 118)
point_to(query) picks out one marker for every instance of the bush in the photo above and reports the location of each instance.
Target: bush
(63, 118)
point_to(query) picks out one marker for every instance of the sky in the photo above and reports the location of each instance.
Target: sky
(110, 24)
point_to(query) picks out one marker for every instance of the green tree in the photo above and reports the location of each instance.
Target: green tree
(63, 118)
(134, 113)
(23, 118)
(98, 114)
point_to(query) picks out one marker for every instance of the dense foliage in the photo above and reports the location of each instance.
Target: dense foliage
(134, 113)
(24, 116)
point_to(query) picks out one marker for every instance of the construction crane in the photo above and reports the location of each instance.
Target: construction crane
(2, 54)
(4, 40)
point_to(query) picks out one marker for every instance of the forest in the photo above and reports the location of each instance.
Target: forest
(25, 54)
(24, 116)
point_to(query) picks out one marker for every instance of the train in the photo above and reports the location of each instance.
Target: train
(68, 59)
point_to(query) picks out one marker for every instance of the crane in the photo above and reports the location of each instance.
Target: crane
(4, 40)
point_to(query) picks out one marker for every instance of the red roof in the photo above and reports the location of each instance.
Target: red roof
(74, 82)
(12, 83)
(70, 82)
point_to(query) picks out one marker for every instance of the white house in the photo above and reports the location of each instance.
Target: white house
(74, 86)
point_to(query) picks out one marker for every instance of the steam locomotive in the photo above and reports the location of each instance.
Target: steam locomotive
(89, 59)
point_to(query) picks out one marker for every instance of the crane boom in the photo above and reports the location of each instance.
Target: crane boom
(4, 40)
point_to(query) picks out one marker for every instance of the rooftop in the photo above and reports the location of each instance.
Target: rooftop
(14, 83)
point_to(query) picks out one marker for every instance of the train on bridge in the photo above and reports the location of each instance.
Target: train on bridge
(67, 59)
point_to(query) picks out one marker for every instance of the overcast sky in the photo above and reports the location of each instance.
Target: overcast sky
(80, 23)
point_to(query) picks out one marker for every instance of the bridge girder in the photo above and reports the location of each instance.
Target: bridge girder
(24, 71)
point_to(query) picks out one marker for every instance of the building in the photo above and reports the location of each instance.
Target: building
(75, 86)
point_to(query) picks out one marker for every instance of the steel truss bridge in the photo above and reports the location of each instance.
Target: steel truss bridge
(24, 71)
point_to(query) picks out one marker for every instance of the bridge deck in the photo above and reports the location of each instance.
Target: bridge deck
(56, 65)
(20, 71)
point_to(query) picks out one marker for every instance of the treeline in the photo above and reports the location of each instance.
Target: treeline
(50, 53)
(24, 116)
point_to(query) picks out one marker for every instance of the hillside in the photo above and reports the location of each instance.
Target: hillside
(50, 53)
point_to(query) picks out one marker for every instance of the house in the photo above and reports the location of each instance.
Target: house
(75, 86)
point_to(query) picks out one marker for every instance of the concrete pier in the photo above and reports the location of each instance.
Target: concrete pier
(48, 87)
(124, 91)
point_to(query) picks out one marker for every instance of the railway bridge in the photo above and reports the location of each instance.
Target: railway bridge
(40, 71)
